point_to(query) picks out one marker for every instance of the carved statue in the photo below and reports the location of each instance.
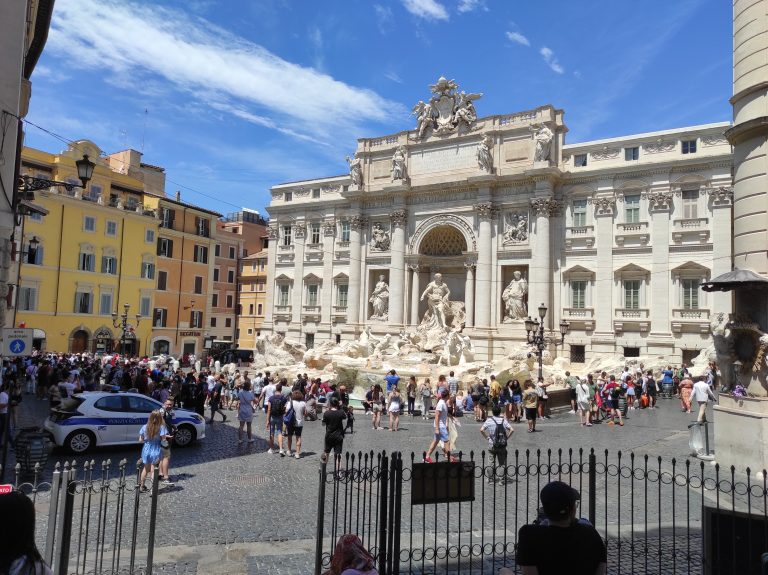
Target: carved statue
(484, 154)
(398, 164)
(515, 228)
(457, 349)
(542, 136)
(437, 293)
(423, 113)
(514, 298)
(379, 238)
(447, 109)
(356, 170)
(465, 110)
(380, 300)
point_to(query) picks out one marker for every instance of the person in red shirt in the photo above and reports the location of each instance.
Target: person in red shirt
(611, 392)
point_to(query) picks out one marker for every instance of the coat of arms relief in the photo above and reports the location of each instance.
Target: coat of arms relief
(447, 111)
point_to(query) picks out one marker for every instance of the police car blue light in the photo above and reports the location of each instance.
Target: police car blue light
(103, 418)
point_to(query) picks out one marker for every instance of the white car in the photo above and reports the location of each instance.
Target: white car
(107, 418)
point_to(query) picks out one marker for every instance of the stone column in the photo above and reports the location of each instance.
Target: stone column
(297, 301)
(722, 203)
(355, 251)
(485, 212)
(414, 294)
(326, 301)
(540, 279)
(660, 205)
(469, 294)
(602, 293)
(272, 234)
(397, 268)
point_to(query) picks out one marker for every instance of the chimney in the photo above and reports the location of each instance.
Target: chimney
(178, 195)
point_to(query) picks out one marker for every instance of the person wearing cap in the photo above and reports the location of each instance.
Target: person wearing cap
(580, 549)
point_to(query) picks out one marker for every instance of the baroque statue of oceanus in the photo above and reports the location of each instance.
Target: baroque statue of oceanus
(447, 111)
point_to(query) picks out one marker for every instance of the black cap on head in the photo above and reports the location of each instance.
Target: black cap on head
(557, 498)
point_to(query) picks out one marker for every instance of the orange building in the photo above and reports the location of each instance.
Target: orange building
(222, 323)
(253, 298)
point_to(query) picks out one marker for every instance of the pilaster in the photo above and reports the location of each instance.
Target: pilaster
(329, 231)
(297, 301)
(271, 273)
(397, 268)
(485, 213)
(540, 280)
(414, 320)
(355, 249)
(602, 296)
(721, 203)
(469, 294)
(660, 206)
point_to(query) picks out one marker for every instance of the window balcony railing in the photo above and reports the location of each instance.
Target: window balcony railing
(691, 314)
(632, 313)
(578, 312)
(633, 232)
(695, 230)
(579, 237)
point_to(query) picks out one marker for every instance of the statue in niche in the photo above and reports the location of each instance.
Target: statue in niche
(437, 294)
(515, 228)
(380, 300)
(379, 238)
(514, 298)
(484, 154)
(398, 164)
(355, 170)
(542, 136)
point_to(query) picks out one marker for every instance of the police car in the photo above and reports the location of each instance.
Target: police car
(104, 418)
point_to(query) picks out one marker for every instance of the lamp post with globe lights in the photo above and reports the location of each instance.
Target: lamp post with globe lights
(536, 336)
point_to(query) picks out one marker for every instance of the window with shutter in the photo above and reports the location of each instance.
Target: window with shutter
(105, 305)
(162, 281)
(198, 284)
(27, 298)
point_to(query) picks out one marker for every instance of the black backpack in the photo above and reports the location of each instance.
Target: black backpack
(499, 436)
(278, 406)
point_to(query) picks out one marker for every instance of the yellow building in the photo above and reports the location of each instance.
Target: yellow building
(253, 298)
(93, 254)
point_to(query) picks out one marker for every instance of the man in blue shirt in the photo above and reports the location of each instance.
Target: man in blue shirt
(392, 379)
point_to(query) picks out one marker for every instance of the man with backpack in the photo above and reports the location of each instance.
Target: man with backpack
(275, 412)
(497, 431)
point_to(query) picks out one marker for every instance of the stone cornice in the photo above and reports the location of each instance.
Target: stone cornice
(746, 130)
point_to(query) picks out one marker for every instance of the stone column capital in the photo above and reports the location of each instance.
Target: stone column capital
(413, 267)
(720, 196)
(604, 205)
(398, 218)
(300, 230)
(272, 232)
(659, 201)
(547, 207)
(329, 228)
(470, 265)
(485, 210)
(357, 222)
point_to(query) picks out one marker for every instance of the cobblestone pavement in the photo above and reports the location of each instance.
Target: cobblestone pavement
(236, 509)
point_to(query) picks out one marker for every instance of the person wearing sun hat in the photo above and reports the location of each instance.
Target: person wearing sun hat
(581, 550)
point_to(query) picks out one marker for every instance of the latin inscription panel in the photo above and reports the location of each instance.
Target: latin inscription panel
(444, 159)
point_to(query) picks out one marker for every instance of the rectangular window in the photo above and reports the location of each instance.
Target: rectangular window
(160, 317)
(250, 309)
(215, 300)
(312, 290)
(259, 309)
(105, 304)
(35, 217)
(215, 274)
(147, 271)
(579, 213)
(230, 301)
(690, 204)
(249, 331)
(227, 322)
(202, 226)
(198, 284)
(168, 216)
(196, 319)
(149, 236)
(217, 250)
(579, 294)
(309, 340)
(109, 265)
(232, 252)
(111, 228)
(315, 193)
(231, 276)
(690, 294)
(162, 281)
(89, 224)
(632, 208)
(83, 302)
(201, 254)
(580, 160)
(344, 232)
(578, 353)
(261, 285)
(631, 154)
(287, 235)
(86, 262)
(689, 146)
(35, 255)
(253, 287)
(631, 352)
(341, 295)
(144, 306)
(314, 233)
(165, 247)
(282, 300)
(631, 294)
(213, 322)
(288, 196)
(262, 265)
(27, 298)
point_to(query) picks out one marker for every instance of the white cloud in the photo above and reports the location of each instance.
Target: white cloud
(147, 43)
(384, 18)
(427, 9)
(518, 37)
(394, 76)
(551, 60)
(471, 5)
(316, 40)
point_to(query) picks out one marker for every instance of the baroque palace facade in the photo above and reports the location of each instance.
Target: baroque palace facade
(613, 236)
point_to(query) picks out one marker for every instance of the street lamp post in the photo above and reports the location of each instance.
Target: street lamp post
(536, 336)
(121, 322)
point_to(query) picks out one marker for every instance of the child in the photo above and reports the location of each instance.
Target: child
(350, 420)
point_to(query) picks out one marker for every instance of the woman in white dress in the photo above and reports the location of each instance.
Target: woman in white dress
(245, 411)
(395, 406)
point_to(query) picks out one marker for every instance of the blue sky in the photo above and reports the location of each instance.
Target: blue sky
(234, 96)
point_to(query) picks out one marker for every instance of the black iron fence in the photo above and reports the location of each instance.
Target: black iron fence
(655, 515)
(93, 520)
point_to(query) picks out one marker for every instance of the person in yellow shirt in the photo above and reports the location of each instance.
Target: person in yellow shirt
(530, 403)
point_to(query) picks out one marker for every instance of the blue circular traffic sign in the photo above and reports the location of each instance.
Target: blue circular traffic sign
(17, 346)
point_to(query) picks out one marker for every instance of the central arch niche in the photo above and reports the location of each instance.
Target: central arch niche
(443, 241)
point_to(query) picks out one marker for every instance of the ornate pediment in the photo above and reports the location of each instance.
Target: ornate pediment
(446, 111)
